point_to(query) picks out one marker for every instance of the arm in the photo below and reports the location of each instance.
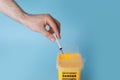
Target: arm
(34, 22)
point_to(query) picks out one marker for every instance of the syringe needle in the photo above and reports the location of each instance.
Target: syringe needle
(58, 43)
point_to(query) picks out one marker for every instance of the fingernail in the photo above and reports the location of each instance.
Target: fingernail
(52, 39)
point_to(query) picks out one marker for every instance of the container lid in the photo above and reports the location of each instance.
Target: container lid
(69, 61)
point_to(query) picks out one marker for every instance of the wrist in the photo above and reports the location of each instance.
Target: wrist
(24, 19)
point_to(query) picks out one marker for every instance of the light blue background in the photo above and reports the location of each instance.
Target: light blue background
(90, 27)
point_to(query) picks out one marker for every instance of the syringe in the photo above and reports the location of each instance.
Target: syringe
(58, 43)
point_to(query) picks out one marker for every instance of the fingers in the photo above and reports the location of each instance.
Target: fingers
(51, 31)
(48, 34)
(58, 24)
(55, 25)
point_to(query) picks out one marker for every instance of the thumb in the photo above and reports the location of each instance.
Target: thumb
(48, 34)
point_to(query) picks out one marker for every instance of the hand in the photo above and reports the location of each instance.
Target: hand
(39, 22)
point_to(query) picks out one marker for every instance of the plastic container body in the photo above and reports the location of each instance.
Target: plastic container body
(69, 66)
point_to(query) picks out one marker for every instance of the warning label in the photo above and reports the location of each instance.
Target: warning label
(68, 75)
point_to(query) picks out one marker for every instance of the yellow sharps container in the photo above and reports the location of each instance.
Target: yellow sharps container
(69, 66)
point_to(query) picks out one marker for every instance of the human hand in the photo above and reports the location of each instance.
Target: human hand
(39, 22)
